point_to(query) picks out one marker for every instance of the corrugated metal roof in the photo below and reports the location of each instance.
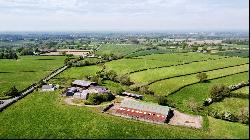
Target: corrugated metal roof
(47, 86)
(82, 83)
(145, 106)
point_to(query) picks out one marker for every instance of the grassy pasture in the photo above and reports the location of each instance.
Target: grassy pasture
(232, 105)
(118, 49)
(44, 115)
(239, 53)
(123, 66)
(167, 86)
(149, 52)
(179, 57)
(154, 74)
(26, 70)
(200, 91)
(73, 73)
(244, 90)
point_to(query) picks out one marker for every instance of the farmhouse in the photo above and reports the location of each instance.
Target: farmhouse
(48, 88)
(136, 96)
(83, 83)
(145, 111)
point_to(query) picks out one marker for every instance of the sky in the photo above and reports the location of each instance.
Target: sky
(123, 15)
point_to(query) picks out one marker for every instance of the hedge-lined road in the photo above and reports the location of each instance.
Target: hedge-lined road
(31, 89)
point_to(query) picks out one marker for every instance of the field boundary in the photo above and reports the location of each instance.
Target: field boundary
(208, 79)
(173, 65)
(149, 83)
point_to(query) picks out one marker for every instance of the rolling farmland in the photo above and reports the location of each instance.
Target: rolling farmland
(26, 71)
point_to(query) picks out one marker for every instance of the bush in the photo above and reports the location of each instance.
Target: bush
(96, 99)
(145, 90)
(202, 77)
(97, 79)
(243, 115)
(125, 79)
(162, 100)
(218, 92)
(13, 92)
(118, 91)
(134, 87)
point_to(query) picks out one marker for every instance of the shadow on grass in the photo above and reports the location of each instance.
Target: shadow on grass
(46, 59)
(28, 71)
(5, 72)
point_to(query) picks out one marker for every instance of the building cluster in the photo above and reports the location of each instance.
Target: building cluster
(81, 89)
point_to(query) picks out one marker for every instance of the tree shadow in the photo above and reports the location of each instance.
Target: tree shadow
(5, 72)
(46, 59)
(28, 71)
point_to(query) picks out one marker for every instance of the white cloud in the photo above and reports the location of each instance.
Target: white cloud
(123, 14)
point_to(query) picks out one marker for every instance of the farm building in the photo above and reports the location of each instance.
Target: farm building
(145, 111)
(98, 89)
(136, 96)
(82, 95)
(48, 88)
(82, 83)
(71, 91)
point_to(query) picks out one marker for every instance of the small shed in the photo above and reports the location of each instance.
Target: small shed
(48, 88)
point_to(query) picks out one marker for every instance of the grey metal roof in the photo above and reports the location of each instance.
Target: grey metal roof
(47, 86)
(99, 89)
(132, 94)
(82, 83)
(145, 106)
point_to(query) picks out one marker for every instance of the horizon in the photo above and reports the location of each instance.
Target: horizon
(123, 16)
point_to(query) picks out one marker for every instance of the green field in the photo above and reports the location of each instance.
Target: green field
(44, 115)
(154, 74)
(199, 92)
(232, 105)
(123, 66)
(26, 70)
(118, 49)
(243, 90)
(165, 87)
(239, 53)
(149, 52)
(65, 78)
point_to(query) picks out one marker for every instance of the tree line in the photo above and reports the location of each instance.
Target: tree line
(8, 54)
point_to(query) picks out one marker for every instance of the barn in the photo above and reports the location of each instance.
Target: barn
(145, 111)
